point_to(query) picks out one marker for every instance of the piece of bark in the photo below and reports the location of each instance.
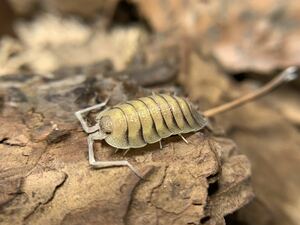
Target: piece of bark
(268, 132)
(45, 177)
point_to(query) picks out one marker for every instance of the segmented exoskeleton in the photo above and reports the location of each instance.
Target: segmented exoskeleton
(147, 120)
(139, 122)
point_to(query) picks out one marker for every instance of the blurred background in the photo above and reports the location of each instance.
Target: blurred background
(210, 51)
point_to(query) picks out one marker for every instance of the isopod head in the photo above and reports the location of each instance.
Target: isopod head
(113, 128)
(105, 124)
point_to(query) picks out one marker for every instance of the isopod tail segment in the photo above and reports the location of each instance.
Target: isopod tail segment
(96, 134)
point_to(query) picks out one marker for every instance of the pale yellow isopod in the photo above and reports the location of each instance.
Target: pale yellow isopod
(136, 123)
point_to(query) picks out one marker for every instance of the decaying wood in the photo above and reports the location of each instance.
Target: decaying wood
(45, 177)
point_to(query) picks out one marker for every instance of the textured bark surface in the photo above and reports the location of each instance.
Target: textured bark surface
(67, 55)
(46, 179)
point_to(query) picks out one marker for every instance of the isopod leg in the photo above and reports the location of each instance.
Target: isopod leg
(126, 151)
(183, 138)
(160, 145)
(104, 164)
(84, 125)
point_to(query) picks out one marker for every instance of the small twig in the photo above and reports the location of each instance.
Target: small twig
(287, 75)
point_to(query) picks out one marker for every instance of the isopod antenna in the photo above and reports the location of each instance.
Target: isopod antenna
(287, 75)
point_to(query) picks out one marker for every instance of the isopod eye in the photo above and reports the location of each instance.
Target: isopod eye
(106, 124)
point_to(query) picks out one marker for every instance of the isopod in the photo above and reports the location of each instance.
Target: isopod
(136, 123)
(148, 120)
